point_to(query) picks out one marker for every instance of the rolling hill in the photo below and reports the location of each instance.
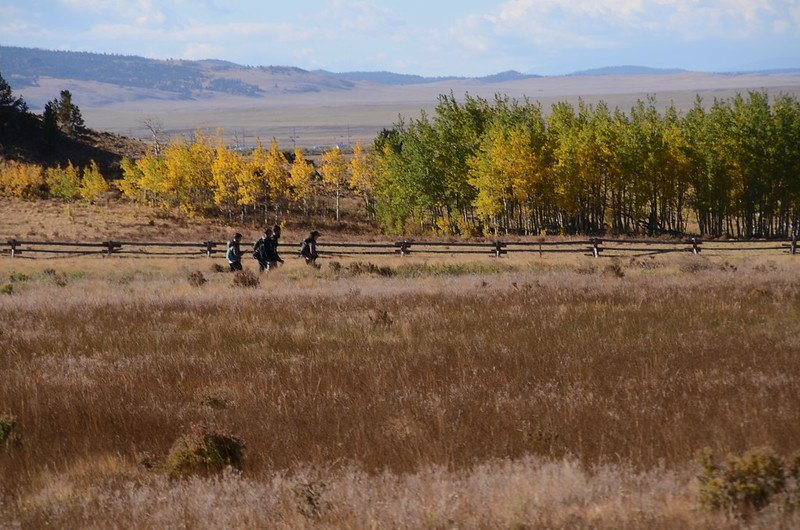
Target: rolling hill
(118, 93)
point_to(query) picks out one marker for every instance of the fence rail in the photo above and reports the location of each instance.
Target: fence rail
(595, 247)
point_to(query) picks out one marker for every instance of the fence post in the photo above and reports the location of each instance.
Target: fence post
(13, 244)
(405, 247)
(695, 246)
(110, 245)
(498, 246)
(595, 247)
(209, 246)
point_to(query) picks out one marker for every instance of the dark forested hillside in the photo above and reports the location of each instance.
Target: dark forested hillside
(23, 66)
(26, 137)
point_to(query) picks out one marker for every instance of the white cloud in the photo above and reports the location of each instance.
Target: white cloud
(142, 12)
(581, 21)
(202, 51)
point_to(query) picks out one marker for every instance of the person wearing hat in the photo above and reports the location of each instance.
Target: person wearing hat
(234, 254)
(309, 249)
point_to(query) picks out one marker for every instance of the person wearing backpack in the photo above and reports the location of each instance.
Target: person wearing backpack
(261, 250)
(234, 253)
(308, 250)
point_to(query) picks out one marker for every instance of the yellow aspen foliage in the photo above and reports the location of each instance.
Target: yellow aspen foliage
(250, 185)
(275, 171)
(153, 182)
(333, 169)
(300, 183)
(131, 182)
(93, 184)
(22, 180)
(188, 173)
(488, 175)
(362, 174)
(63, 182)
(225, 172)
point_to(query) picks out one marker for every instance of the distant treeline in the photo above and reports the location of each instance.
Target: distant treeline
(505, 167)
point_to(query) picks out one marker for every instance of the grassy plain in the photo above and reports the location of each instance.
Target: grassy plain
(329, 117)
(443, 392)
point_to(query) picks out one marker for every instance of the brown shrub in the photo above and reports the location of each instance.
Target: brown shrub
(196, 279)
(205, 450)
(245, 279)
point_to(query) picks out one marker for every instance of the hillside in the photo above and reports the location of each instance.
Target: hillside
(627, 70)
(23, 138)
(106, 79)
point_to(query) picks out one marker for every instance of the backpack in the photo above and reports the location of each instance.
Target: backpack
(304, 251)
(258, 248)
(231, 255)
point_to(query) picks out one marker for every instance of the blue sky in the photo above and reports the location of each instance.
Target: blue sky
(428, 37)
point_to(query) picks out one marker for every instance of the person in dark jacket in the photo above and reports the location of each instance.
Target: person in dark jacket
(274, 257)
(261, 250)
(234, 253)
(309, 249)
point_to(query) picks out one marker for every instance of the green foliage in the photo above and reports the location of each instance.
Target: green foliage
(65, 182)
(204, 450)
(18, 277)
(744, 484)
(62, 114)
(7, 100)
(6, 288)
(93, 184)
(476, 167)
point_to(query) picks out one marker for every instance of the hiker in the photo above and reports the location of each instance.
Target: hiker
(309, 249)
(261, 250)
(234, 253)
(273, 259)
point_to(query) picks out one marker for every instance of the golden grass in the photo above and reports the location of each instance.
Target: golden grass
(541, 393)
(55, 220)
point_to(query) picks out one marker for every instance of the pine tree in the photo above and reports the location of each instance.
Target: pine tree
(7, 99)
(68, 115)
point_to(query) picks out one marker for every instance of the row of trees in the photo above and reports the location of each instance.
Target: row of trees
(476, 166)
(203, 175)
(32, 181)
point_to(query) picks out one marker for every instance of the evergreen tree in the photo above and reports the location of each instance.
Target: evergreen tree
(7, 99)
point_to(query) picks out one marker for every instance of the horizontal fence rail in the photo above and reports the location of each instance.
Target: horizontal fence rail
(595, 247)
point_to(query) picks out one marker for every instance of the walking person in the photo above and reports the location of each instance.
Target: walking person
(309, 249)
(273, 258)
(261, 250)
(234, 253)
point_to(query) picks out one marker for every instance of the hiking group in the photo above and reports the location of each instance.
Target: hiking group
(265, 250)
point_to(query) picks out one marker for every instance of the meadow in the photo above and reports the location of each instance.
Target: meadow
(416, 393)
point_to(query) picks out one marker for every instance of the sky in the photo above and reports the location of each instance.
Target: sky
(426, 37)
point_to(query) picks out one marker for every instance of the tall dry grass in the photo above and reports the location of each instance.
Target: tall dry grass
(547, 393)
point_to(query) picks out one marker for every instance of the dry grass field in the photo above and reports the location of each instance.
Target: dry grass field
(55, 220)
(331, 117)
(427, 393)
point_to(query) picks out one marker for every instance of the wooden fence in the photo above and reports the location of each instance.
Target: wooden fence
(595, 247)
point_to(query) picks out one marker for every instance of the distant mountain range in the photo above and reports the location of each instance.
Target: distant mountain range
(106, 79)
(391, 78)
(627, 70)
